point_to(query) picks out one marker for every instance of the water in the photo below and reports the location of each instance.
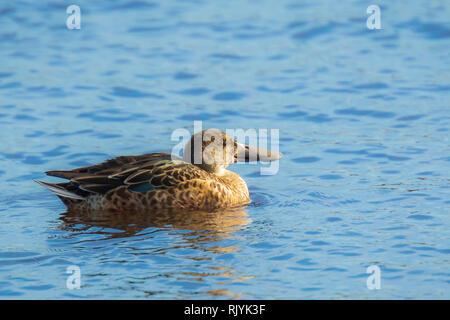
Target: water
(364, 127)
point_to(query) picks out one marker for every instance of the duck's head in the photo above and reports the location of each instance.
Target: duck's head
(214, 150)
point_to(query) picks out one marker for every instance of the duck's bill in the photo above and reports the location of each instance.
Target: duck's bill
(249, 154)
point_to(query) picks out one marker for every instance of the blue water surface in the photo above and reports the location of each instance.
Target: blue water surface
(364, 128)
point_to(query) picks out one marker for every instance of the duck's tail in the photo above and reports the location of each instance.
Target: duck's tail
(60, 190)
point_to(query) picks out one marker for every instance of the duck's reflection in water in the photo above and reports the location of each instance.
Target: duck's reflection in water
(200, 230)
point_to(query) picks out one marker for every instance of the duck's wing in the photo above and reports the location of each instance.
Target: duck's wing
(138, 173)
(112, 166)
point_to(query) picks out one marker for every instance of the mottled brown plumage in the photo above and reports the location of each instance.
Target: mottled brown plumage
(158, 180)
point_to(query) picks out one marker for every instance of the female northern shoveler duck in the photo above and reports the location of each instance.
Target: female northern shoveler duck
(154, 181)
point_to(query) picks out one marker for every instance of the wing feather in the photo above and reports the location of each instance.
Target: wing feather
(156, 170)
(141, 176)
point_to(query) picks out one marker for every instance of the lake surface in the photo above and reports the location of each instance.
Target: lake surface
(364, 128)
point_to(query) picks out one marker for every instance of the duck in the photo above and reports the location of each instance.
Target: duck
(198, 181)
